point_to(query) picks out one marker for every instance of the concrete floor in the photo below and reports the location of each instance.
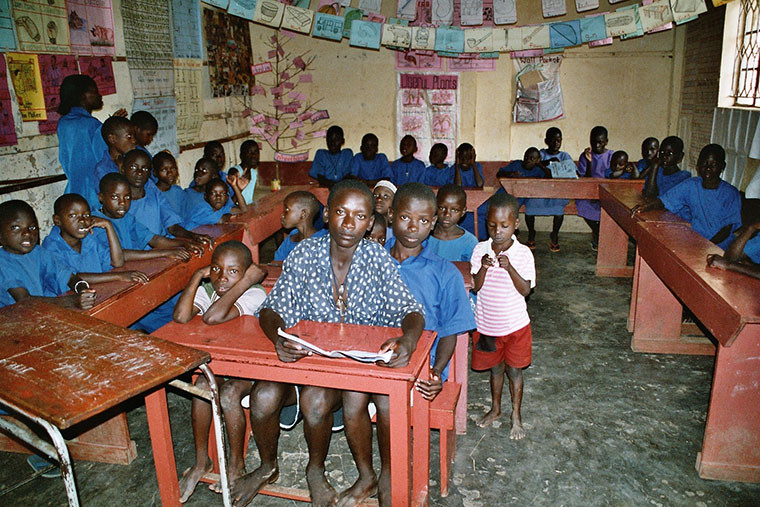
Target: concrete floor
(605, 425)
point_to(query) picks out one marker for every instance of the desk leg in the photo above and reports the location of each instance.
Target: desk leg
(634, 291)
(731, 446)
(421, 442)
(163, 449)
(401, 448)
(460, 376)
(612, 256)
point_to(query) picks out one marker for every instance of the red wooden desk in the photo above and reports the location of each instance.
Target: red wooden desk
(727, 303)
(240, 349)
(124, 303)
(60, 368)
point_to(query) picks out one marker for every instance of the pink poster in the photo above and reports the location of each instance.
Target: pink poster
(418, 60)
(53, 68)
(100, 69)
(7, 128)
(91, 27)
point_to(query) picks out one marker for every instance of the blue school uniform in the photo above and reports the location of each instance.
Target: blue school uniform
(94, 257)
(204, 214)
(438, 285)
(667, 181)
(40, 273)
(132, 234)
(435, 177)
(104, 166)
(154, 211)
(250, 188)
(376, 169)
(406, 172)
(80, 145)
(176, 197)
(190, 200)
(468, 177)
(459, 249)
(600, 164)
(752, 249)
(288, 245)
(333, 167)
(708, 211)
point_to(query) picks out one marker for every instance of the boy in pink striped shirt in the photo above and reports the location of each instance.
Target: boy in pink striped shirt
(504, 274)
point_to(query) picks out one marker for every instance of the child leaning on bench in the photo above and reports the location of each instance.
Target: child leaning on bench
(231, 291)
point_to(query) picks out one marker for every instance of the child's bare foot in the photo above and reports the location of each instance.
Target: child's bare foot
(322, 493)
(489, 418)
(190, 480)
(358, 492)
(233, 473)
(247, 487)
(517, 431)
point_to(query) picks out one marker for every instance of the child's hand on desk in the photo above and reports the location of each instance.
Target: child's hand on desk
(402, 352)
(180, 254)
(429, 389)
(503, 261)
(717, 261)
(133, 276)
(86, 299)
(289, 351)
(203, 239)
(194, 248)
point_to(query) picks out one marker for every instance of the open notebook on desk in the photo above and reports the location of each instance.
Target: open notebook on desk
(357, 355)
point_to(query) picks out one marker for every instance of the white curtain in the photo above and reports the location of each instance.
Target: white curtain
(738, 131)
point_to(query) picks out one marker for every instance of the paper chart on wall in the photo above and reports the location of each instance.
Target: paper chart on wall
(586, 5)
(165, 111)
(27, 83)
(470, 64)
(41, 25)
(91, 27)
(551, 8)
(418, 60)
(188, 88)
(370, 6)
(297, 19)
(427, 107)
(228, 52)
(471, 12)
(407, 9)
(539, 94)
(7, 33)
(186, 25)
(53, 68)
(99, 68)
(443, 12)
(686, 10)
(504, 12)
(655, 16)
(148, 41)
(7, 127)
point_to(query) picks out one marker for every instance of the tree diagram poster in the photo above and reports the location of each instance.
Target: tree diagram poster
(148, 39)
(427, 107)
(228, 50)
(91, 27)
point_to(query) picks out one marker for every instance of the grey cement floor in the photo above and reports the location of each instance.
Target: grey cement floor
(605, 425)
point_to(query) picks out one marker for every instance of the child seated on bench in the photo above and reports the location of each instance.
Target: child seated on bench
(166, 177)
(378, 231)
(217, 206)
(407, 168)
(504, 274)
(368, 165)
(742, 255)
(26, 270)
(71, 242)
(664, 172)
(709, 204)
(438, 285)
(467, 172)
(620, 168)
(449, 240)
(232, 291)
(438, 173)
(649, 149)
(300, 210)
(195, 193)
(333, 164)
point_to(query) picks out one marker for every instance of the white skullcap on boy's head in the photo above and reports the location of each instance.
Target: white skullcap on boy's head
(386, 184)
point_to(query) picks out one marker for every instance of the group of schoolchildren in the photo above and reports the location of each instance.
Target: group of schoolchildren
(378, 254)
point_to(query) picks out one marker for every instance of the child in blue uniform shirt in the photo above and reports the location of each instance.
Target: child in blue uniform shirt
(649, 148)
(709, 204)
(73, 245)
(743, 255)
(407, 168)
(205, 170)
(333, 164)
(146, 128)
(665, 173)
(26, 270)
(247, 171)
(115, 199)
(448, 240)
(369, 165)
(593, 163)
(438, 173)
(467, 172)
(118, 134)
(620, 168)
(553, 207)
(300, 211)
(217, 205)
(165, 176)
(80, 144)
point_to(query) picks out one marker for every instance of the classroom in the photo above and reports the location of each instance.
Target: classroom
(625, 398)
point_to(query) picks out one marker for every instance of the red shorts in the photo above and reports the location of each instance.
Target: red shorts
(513, 349)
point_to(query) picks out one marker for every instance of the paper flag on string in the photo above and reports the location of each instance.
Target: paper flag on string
(686, 10)
(565, 34)
(365, 34)
(655, 14)
(499, 39)
(350, 14)
(514, 39)
(593, 28)
(639, 30)
(449, 40)
(536, 37)
(297, 19)
(471, 13)
(397, 36)
(478, 40)
(242, 8)
(327, 26)
(620, 23)
(423, 38)
(269, 13)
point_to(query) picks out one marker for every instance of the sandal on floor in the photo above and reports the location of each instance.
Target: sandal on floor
(554, 247)
(531, 244)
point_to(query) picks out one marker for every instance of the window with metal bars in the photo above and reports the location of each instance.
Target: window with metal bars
(747, 64)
